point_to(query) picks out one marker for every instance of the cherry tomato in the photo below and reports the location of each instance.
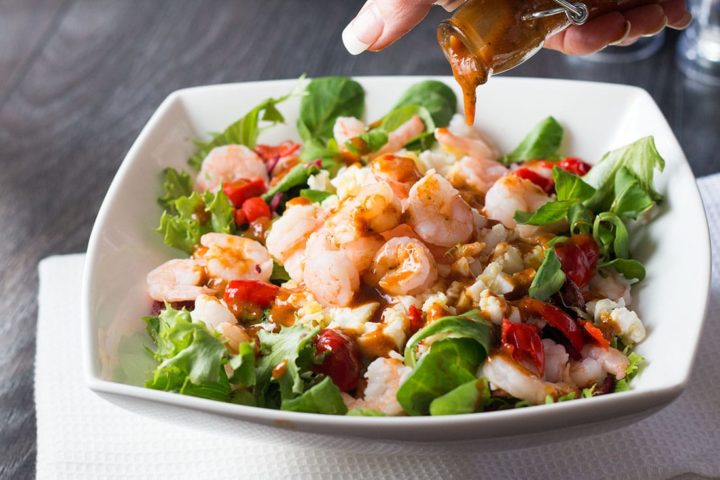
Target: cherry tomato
(255, 292)
(415, 317)
(241, 190)
(254, 208)
(240, 218)
(547, 184)
(595, 334)
(342, 360)
(556, 318)
(271, 153)
(574, 165)
(578, 257)
(523, 340)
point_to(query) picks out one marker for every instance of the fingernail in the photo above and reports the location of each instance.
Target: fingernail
(362, 32)
(624, 36)
(449, 5)
(683, 23)
(660, 28)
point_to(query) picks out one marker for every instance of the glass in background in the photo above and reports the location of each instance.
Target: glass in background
(698, 51)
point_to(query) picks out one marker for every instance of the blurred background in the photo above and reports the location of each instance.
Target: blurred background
(79, 79)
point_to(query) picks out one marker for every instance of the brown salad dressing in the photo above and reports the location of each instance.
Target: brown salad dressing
(486, 37)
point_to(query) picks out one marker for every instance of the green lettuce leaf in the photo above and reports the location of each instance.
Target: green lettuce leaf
(246, 130)
(315, 196)
(580, 219)
(437, 98)
(467, 398)
(640, 158)
(549, 278)
(321, 398)
(175, 184)
(195, 216)
(637, 362)
(243, 365)
(468, 325)
(611, 235)
(279, 274)
(297, 177)
(327, 99)
(542, 143)
(364, 412)
(448, 364)
(190, 358)
(292, 345)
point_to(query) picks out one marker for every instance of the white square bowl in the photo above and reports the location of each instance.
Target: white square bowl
(598, 117)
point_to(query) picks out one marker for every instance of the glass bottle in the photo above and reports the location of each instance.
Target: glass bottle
(486, 37)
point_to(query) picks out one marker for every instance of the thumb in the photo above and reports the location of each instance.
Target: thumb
(382, 22)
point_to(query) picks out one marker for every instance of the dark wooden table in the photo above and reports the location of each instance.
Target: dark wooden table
(79, 79)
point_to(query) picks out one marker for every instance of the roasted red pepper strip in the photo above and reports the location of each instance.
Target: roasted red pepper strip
(415, 317)
(556, 318)
(578, 257)
(342, 360)
(523, 340)
(596, 334)
(240, 190)
(273, 152)
(547, 184)
(254, 208)
(574, 165)
(255, 292)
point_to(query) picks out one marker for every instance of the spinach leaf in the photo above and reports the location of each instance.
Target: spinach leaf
(580, 219)
(175, 184)
(448, 364)
(296, 177)
(315, 196)
(244, 131)
(437, 98)
(542, 143)
(467, 398)
(321, 398)
(611, 235)
(629, 268)
(548, 214)
(468, 325)
(549, 278)
(327, 99)
(364, 412)
(630, 198)
(641, 158)
(570, 186)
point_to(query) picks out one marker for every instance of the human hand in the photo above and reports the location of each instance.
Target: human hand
(381, 22)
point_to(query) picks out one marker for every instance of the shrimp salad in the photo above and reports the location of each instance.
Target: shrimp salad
(405, 266)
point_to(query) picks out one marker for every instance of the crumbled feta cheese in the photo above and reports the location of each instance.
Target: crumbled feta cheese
(396, 324)
(436, 160)
(535, 257)
(321, 181)
(435, 301)
(497, 281)
(510, 258)
(632, 329)
(352, 319)
(492, 307)
(491, 237)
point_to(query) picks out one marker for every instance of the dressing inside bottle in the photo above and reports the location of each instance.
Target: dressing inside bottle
(485, 37)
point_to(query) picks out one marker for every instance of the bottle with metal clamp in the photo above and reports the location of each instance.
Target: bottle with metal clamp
(486, 37)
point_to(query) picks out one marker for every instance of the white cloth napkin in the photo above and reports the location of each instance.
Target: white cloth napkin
(82, 436)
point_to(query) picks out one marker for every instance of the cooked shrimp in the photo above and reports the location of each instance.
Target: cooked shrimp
(362, 250)
(556, 361)
(290, 232)
(596, 364)
(373, 210)
(229, 257)
(211, 311)
(438, 214)
(474, 146)
(397, 171)
(611, 285)
(177, 281)
(230, 163)
(234, 334)
(505, 373)
(510, 194)
(400, 137)
(332, 278)
(476, 173)
(346, 128)
(403, 266)
(384, 376)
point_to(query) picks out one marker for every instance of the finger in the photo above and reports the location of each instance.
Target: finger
(591, 37)
(644, 21)
(382, 22)
(677, 14)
